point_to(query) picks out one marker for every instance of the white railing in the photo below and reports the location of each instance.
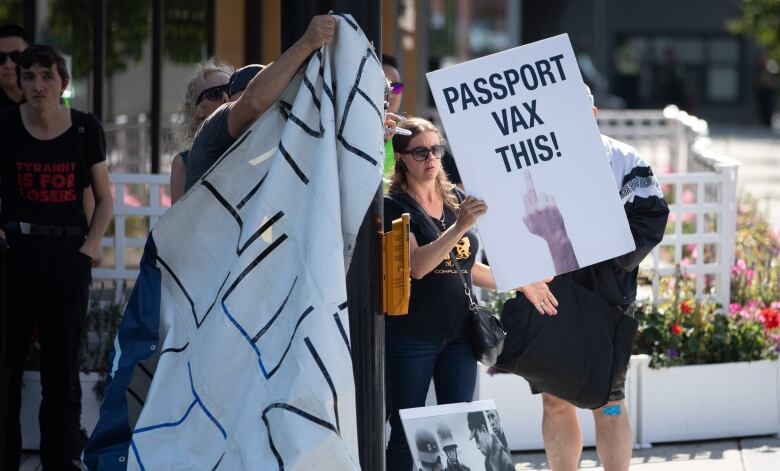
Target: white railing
(700, 188)
(139, 201)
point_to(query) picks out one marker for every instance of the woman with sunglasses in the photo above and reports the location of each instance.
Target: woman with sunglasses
(431, 341)
(206, 91)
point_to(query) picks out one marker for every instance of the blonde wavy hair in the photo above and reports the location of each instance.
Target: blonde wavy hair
(400, 143)
(188, 122)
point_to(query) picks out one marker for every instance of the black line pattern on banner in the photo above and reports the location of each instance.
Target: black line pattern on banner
(328, 379)
(218, 462)
(296, 411)
(370, 102)
(310, 87)
(343, 331)
(227, 152)
(349, 22)
(174, 349)
(286, 110)
(265, 328)
(226, 205)
(254, 263)
(135, 396)
(251, 193)
(347, 107)
(267, 225)
(305, 313)
(144, 369)
(181, 287)
(216, 297)
(292, 163)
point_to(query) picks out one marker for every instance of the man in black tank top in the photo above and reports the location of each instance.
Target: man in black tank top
(48, 156)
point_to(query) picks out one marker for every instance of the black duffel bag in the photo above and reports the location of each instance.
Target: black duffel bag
(575, 355)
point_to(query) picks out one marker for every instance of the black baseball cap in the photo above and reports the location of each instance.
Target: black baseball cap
(241, 78)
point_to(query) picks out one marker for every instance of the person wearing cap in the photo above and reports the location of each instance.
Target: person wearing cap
(496, 457)
(428, 451)
(251, 93)
(450, 449)
(13, 40)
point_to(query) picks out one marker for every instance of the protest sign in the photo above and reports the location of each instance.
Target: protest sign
(521, 129)
(465, 435)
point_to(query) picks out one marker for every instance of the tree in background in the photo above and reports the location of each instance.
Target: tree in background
(760, 20)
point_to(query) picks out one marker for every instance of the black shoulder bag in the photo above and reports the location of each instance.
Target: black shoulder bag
(487, 333)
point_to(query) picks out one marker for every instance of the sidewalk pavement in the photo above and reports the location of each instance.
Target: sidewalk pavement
(758, 149)
(744, 454)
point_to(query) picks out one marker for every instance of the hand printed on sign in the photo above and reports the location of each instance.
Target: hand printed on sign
(543, 218)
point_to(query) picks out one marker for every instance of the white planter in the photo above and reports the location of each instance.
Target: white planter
(521, 412)
(697, 402)
(31, 400)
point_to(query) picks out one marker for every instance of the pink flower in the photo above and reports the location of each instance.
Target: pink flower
(734, 308)
(687, 197)
(749, 275)
(752, 305)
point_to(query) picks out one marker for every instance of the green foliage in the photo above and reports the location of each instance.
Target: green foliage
(760, 20)
(11, 12)
(686, 331)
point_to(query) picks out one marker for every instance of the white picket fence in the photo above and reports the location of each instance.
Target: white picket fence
(699, 187)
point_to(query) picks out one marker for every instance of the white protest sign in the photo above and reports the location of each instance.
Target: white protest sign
(522, 131)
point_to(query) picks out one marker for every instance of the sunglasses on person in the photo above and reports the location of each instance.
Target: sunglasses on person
(13, 55)
(396, 87)
(421, 154)
(212, 93)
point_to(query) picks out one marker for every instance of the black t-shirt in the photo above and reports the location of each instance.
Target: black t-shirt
(6, 101)
(43, 181)
(437, 305)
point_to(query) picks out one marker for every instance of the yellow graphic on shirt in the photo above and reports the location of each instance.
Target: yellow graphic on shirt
(462, 250)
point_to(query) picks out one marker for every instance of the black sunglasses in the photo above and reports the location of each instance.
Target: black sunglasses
(421, 154)
(13, 55)
(212, 93)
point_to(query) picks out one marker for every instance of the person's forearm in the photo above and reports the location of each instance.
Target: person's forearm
(427, 257)
(482, 276)
(562, 253)
(98, 225)
(270, 83)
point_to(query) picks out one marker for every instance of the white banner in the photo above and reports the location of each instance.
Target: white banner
(525, 140)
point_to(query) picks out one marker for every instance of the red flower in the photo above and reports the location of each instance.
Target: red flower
(770, 317)
(677, 329)
(686, 307)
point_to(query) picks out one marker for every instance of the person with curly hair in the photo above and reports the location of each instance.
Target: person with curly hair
(205, 92)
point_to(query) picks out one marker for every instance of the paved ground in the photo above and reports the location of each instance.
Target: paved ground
(747, 454)
(758, 148)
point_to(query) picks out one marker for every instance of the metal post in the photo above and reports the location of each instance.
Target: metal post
(30, 21)
(252, 38)
(210, 19)
(157, 12)
(98, 55)
(364, 288)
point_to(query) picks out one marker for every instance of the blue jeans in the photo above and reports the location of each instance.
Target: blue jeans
(411, 363)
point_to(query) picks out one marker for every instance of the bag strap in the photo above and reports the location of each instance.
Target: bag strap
(453, 255)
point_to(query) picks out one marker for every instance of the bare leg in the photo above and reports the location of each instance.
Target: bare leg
(562, 434)
(613, 436)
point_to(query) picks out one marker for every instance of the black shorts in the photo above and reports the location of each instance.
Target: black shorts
(618, 392)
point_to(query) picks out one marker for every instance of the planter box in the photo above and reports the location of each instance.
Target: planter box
(521, 412)
(697, 402)
(31, 400)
